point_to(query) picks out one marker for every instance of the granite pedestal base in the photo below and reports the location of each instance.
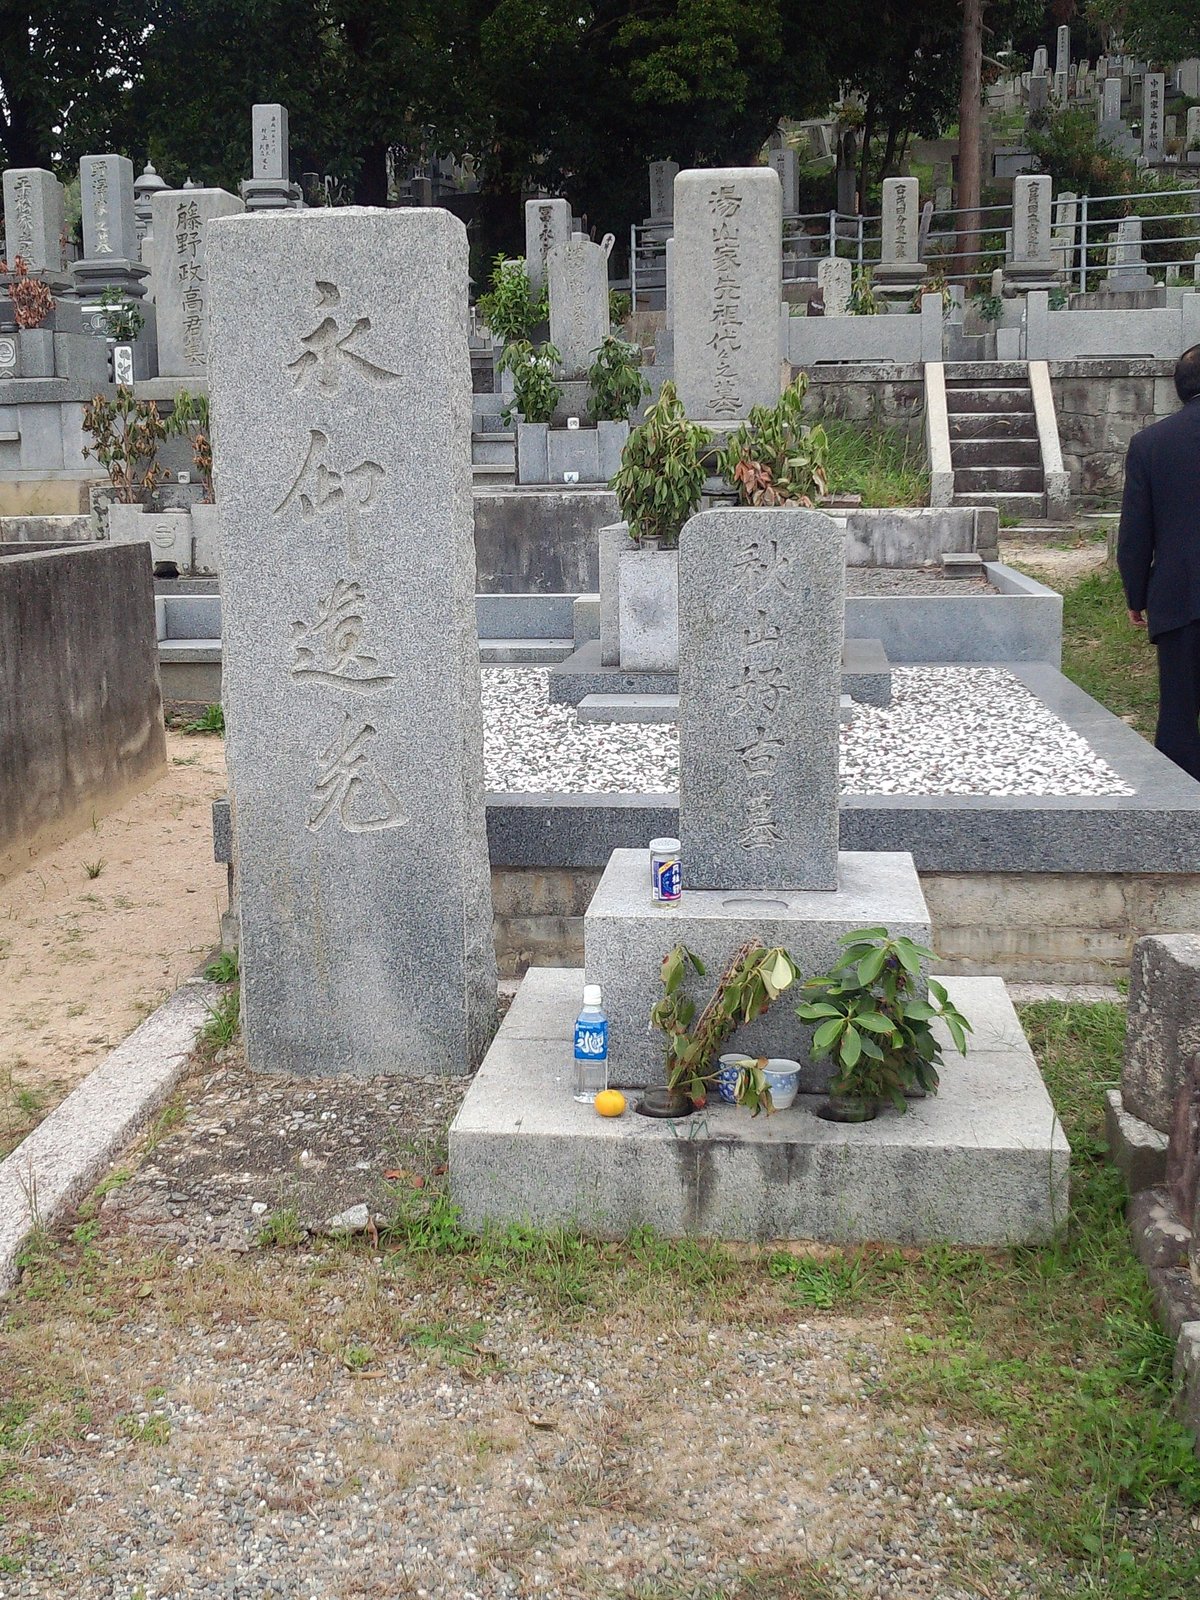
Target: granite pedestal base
(984, 1162)
(626, 935)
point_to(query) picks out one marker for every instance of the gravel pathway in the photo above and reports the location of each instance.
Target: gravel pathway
(949, 730)
(912, 581)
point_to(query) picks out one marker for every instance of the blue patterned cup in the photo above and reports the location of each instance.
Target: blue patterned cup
(727, 1077)
(782, 1079)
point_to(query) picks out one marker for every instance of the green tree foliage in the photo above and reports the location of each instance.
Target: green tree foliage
(1160, 30)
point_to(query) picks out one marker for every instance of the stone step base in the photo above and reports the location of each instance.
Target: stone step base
(524, 652)
(1008, 502)
(999, 480)
(995, 453)
(993, 425)
(492, 474)
(628, 708)
(984, 1162)
(979, 399)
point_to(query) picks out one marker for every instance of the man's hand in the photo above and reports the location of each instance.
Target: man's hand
(1138, 619)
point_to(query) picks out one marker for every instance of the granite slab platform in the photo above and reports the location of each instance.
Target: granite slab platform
(985, 1162)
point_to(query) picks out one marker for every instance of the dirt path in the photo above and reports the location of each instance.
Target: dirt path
(84, 958)
(1057, 567)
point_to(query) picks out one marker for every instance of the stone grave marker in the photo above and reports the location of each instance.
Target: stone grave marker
(761, 595)
(111, 246)
(33, 218)
(786, 165)
(1154, 92)
(1041, 62)
(547, 223)
(900, 266)
(726, 301)
(269, 187)
(835, 279)
(340, 370)
(1187, 77)
(181, 218)
(578, 276)
(1127, 273)
(1192, 135)
(1039, 95)
(662, 190)
(1110, 104)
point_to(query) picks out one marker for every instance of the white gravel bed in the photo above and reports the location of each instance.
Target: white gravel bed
(949, 730)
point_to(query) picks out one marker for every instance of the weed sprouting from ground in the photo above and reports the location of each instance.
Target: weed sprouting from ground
(224, 969)
(880, 463)
(224, 1022)
(94, 868)
(210, 720)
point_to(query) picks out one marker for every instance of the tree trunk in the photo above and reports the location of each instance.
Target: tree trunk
(970, 118)
(864, 154)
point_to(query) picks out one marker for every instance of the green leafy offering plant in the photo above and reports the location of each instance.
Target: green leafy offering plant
(776, 459)
(615, 383)
(510, 308)
(863, 301)
(620, 306)
(660, 479)
(535, 393)
(989, 306)
(871, 1018)
(126, 434)
(753, 978)
(190, 419)
(123, 320)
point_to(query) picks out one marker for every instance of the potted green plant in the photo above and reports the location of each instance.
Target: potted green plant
(126, 434)
(616, 388)
(754, 977)
(776, 458)
(510, 308)
(190, 420)
(536, 393)
(873, 1017)
(33, 312)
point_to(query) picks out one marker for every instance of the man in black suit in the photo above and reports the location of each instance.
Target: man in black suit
(1158, 554)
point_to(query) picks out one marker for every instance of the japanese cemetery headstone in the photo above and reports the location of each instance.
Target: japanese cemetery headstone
(785, 163)
(662, 190)
(1192, 132)
(1031, 264)
(181, 218)
(1039, 95)
(270, 187)
(1127, 273)
(111, 247)
(1154, 94)
(351, 670)
(578, 277)
(1041, 62)
(728, 260)
(1110, 105)
(900, 266)
(758, 699)
(835, 279)
(547, 223)
(34, 226)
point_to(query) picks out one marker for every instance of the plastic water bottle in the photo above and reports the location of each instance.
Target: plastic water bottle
(591, 1046)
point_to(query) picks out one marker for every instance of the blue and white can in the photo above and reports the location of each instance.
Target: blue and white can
(666, 870)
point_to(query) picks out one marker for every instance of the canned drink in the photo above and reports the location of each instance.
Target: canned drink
(666, 870)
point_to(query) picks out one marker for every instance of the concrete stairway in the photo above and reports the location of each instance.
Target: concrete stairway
(493, 442)
(994, 448)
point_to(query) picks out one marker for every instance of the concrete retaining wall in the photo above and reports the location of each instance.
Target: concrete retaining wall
(540, 541)
(1100, 406)
(81, 714)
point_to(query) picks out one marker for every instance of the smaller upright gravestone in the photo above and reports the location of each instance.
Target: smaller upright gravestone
(1127, 274)
(547, 224)
(662, 190)
(1031, 264)
(786, 165)
(835, 279)
(727, 267)
(1192, 135)
(578, 277)
(270, 188)
(900, 266)
(759, 684)
(180, 223)
(1110, 105)
(34, 227)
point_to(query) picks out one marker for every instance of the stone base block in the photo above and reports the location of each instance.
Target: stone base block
(628, 708)
(984, 1162)
(866, 672)
(1137, 1150)
(626, 936)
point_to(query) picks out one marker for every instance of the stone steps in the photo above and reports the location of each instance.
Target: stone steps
(1001, 397)
(490, 449)
(490, 474)
(992, 425)
(1002, 452)
(1009, 503)
(997, 479)
(994, 447)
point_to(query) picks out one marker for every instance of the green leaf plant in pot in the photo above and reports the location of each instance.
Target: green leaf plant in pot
(871, 1019)
(535, 392)
(661, 476)
(776, 458)
(753, 979)
(615, 382)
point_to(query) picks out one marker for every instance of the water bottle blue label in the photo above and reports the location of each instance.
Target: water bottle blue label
(591, 1041)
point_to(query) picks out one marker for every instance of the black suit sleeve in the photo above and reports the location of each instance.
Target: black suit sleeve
(1135, 541)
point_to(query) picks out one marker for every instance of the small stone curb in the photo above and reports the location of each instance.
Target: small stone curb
(55, 1166)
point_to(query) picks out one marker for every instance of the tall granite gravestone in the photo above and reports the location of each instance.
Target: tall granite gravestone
(835, 279)
(1039, 96)
(181, 218)
(270, 188)
(1041, 62)
(34, 227)
(728, 266)
(1031, 264)
(1192, 133)
(351, 668)
(578, 276)
(1154, 98)
(1110, 106)
(900, 267)
(112, 256)
(786, 165)
(547, 223)
(662, 190)
(758, 699)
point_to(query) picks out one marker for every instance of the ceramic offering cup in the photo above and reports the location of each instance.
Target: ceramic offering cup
(783, 1080)
(727, 1077)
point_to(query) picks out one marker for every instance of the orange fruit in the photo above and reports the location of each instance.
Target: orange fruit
(610, 1102)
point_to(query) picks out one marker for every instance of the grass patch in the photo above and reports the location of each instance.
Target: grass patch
(224, 969)
(210, 720)
(1107, 657)
(224, 1022)
(880, 463)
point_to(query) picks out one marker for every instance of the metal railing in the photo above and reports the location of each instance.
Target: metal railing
(1081, 240)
